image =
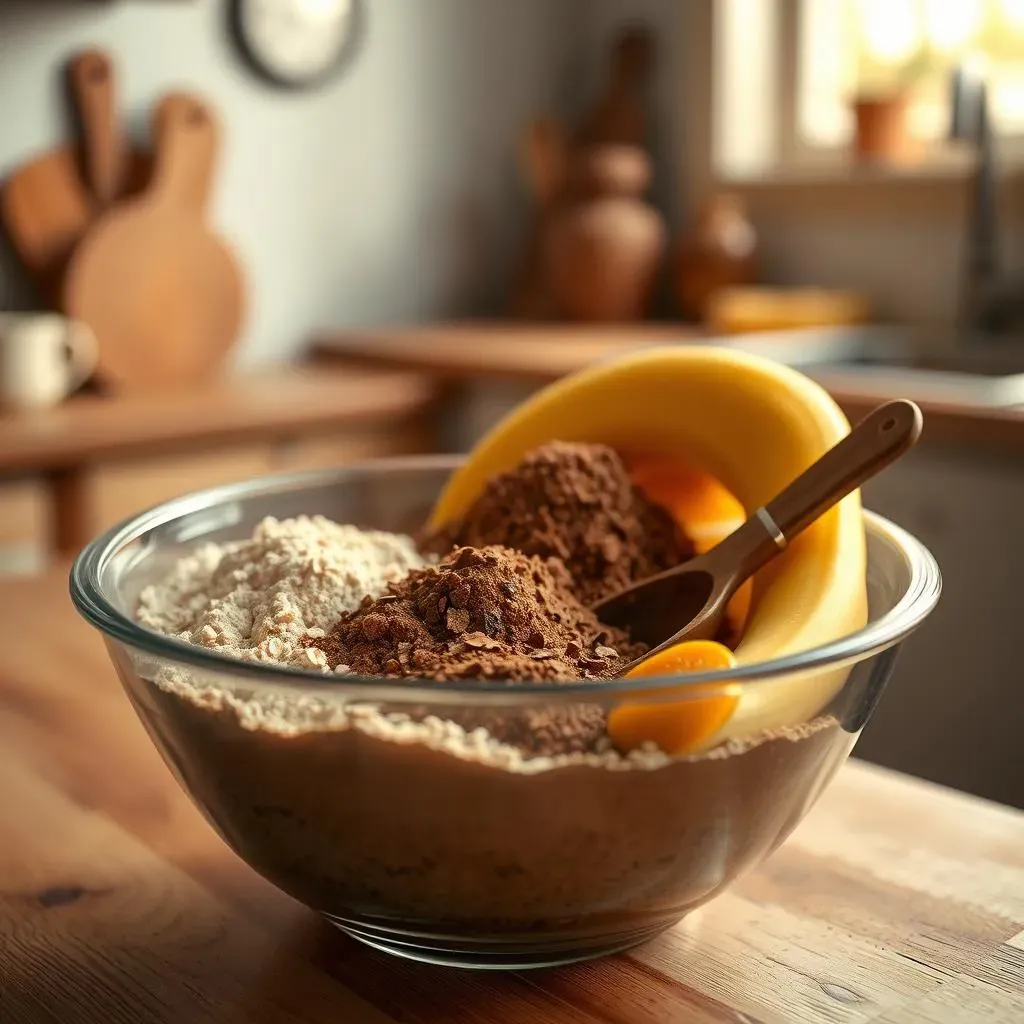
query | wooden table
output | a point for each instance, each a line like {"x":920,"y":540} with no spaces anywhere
{"x":894,"y":902}
{"x":160,"y":441}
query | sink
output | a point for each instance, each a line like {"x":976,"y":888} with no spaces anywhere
{"x":880,"y":361}
{"x":961,"y":378}
{"x":983,"y":362}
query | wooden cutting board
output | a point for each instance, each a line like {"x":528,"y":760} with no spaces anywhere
{"x":163,"y":294}
{"x":48,"y":204}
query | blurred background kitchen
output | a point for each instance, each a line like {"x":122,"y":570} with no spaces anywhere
{"x":245,"y":236}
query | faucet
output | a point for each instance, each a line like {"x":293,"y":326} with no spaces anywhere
{"x":990,"y":306}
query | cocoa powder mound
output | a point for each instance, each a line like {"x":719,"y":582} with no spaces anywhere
{"x":490,"y":614}
{"x":574,"y":502}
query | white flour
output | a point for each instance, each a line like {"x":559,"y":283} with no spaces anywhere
{"x":256,"y":599}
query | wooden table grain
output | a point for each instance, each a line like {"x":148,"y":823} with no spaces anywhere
{"x":895,"y":901}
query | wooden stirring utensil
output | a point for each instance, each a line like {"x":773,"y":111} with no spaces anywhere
{"x":689,"y":601}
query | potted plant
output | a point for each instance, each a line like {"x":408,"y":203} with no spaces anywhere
{"x":880,"y":108}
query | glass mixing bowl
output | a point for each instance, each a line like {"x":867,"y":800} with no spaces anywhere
{"x":360,"y":798}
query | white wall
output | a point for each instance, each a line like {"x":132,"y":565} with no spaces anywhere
{"x":389,"y":195}
{"x":900,"y":242}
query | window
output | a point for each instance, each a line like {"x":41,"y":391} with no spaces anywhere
{"x":789,"y":68}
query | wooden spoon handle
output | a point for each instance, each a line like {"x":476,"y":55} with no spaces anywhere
{"x":879,"y":439}
{"x":93,"y":86}
{"x":186,"y":136}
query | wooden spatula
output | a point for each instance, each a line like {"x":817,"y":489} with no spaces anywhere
{"x":48,"y":204}
{"x":163,"y":295}
{"x":689,"y":601}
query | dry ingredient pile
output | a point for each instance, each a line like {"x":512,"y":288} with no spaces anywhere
{"x":489,"y":613}
{"x":560,"y":530}
{"x":576,"y":503}
{"x":482,"y":613}
{"x":267,"y":597}
{"x":507,"y":603}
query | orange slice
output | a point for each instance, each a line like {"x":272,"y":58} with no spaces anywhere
{"x":704,"y":508}
{"x":701,"y":505}
{"x":685,"y":724}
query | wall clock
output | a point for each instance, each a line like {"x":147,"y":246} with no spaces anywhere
{"x":297,"y":44}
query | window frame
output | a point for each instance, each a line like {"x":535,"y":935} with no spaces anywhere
{"x":797,"y":160}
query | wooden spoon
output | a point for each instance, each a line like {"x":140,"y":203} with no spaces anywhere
{"x":696,"y":593}
{"x":163,"y":294}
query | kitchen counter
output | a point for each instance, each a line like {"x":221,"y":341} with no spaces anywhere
{"x":101,"y":458}
{"x":895,"y":902}
{"x":537,"y":355}
{"x":511,"y":351}
{"x":269,"y":402}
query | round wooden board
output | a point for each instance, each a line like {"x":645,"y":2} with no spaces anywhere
{"x":163,"y":294}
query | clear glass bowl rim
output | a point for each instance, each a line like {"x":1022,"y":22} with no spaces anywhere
{"x":878,"y":635}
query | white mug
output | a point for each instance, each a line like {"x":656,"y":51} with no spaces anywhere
{"x":43,"y":358}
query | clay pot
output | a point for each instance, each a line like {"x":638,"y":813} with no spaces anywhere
{"x":720,"y":251}
{"x":604,"y":244}
{"x":881,"y":132}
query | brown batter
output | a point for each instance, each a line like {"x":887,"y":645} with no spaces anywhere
{"x":386,"y":831}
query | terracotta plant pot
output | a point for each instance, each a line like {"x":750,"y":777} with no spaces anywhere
{"x":882,"y":134}
{"x":604,"y":245}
